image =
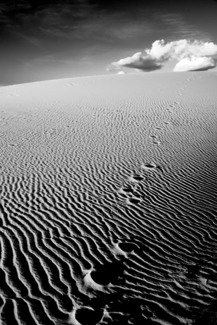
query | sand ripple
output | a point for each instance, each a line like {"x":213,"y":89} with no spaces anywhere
{"x":108,"y":200}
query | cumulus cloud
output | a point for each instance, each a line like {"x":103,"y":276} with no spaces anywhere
{"x":181,"y":49}
{"x":139,"y":61}
{"x":195,"y":64}
{"x":197,"y":53}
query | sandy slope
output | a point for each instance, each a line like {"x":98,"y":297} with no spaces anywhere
{"x":108,"y":199}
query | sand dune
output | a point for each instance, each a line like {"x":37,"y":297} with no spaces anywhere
{"x":108,"y":200}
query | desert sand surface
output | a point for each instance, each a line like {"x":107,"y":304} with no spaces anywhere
{"x":108,"y":200}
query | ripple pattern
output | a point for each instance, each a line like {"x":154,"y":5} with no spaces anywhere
{"x":108,"y":200}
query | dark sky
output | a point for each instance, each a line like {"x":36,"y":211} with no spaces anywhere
{"x":54,"y":39}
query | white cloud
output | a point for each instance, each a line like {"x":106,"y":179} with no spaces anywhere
{"x":195,"y":63}
{"x":181,"y":49}
{"x":196,"y":53}
{"x":139,"y":61}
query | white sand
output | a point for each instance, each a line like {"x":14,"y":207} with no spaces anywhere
{"x":87,"y":163}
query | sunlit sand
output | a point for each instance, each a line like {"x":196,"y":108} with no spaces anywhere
{"x":108,"y":199}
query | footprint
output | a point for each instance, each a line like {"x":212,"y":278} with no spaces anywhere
{"x":127,"y":247}
{"x":108,"y":273}
{"x":127,"y":189}
{"x":158,"y":128}
{"x":86,"y":316}
{"x":122,"y":194}
{"x":103,"y":275}
{"x":156,"y":142}
{"x":149,"y":166}
{"x":192,"y":270}
{"x":90,"y":283}
{"x":166,"y":122}
{"x":133,"y":200}
{"x":136,"y":178}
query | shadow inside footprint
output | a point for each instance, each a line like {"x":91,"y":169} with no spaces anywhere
{"x":127,"y":247}
{"x":149,"y":166}
{"x":88,"y":315}
{"x":107,"y":273}
{"x":137,"y":178}
{"x":193,"y":270}
{"x":133,"y":200}
{"x":127,"y":189}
